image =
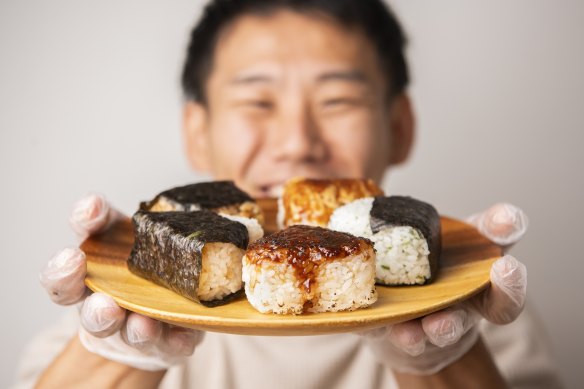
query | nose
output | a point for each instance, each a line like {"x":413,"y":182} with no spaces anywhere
{"x":298,"y":137}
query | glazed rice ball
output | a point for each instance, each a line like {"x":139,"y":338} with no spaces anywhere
{"x":309,"y":269}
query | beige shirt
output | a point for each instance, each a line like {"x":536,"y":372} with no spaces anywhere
{"x":521,"y":351}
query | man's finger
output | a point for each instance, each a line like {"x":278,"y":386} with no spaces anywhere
{"x":180,"y":341}
{"x":505,"y":298}
{"x":446,"y":327}
{"x":141,"y":332}
{"x":408,"y":336}
{"x":92,"y":214}
{"x":63,"y":276}
{"x":101,"y":316}
{"x":503,"y":223}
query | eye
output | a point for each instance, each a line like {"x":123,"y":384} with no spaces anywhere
{"x":264,"y":105}
{"x":339,"y":102}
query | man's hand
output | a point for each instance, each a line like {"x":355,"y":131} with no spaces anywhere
{"x":427,"y":345}
{"x":107,"y":329}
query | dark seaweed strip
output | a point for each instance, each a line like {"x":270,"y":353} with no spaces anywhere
{"x":227,"y":299}
{"x":168,"y":247}
{"x":200,"y":226}
{"x":206,"y":195}
{"x":407,"y":211}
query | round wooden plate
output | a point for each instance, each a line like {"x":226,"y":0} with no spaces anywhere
{"x":466,"y":262}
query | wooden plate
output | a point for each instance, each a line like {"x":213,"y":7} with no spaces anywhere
{"x":466,"y":263}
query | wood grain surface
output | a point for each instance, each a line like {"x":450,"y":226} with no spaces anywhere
{"x":466,"y":261}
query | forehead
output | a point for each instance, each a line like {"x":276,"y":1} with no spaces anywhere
{"x":286,"y":40}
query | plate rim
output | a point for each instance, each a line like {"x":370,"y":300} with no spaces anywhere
{"x":294,"y":325}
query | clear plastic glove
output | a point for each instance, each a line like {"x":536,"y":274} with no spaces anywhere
{"x":427,"y":345}
{"x":107,"y":329}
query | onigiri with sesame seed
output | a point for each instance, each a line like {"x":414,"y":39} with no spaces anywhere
{"x":405,"y":233}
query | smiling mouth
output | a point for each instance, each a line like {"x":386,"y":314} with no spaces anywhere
{"x":276,"y":188}
{"x":270,"y":191}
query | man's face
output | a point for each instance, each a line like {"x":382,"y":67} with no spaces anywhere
{"x":292,"y":95}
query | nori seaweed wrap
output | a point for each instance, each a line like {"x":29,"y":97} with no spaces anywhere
{"x":406,"y":233}
{"x":196,"y":254}
{"x":403,"y":211}
{"x":217,"y":196}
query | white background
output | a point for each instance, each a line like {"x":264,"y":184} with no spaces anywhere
{"x":89,"y":101}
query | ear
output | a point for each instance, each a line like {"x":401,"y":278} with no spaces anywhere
{"x":402,"y":125}
{"x":196,"y":137}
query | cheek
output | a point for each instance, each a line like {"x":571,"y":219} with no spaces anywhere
{"x":358,"y":145}
{"x":233,"y":142}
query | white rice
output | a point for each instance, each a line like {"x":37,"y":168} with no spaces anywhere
{"x":345,"y":284}
{"x":164,"y":204}
{"x":254,"y":229}
{"x":221,"y":271}
{"x":353,"y":218}
{"x":248,"y":209}
{"x":402,"y":256}
{"x":402,"y":251}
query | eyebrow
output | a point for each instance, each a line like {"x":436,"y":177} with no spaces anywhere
{"x":251,"y":79}
{"x":348,"y":75}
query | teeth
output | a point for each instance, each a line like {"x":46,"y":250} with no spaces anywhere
{"x":276,"y":190}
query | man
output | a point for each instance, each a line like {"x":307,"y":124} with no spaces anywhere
{"x":276,"y":89}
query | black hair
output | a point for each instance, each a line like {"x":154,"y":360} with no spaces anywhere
{"x":371,"y":16}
